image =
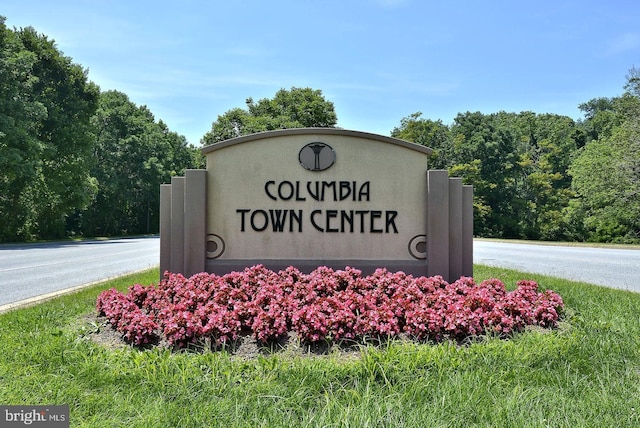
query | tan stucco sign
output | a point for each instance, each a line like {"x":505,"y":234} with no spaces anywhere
{"x":310,"y":197}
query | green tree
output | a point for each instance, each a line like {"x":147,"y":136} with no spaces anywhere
{"x":517,"y":163}
{"x":601,"y":116}
{"x":546,"y":144}
{"x":606,"y":172}
{"x":295,"y":108}
{"x":133,"y":155}
{"x":429,"y":133}
{"x":304,"y":106}
{"x":45,"y":136}
{"x":19,"y":146}
{"x":484,"y":154}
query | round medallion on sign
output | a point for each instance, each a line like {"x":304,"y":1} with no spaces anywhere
{"x":418,"y":247}
{"x":317,"y":156}
{"x":215,"y":246}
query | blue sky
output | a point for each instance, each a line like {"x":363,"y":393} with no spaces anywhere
{"x":376,"y":60}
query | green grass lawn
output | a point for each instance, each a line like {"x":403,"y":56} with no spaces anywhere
{"x":586,"y":373}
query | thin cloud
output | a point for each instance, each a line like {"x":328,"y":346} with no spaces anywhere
{"x":392,"y":3}
{"x":249,"y":51}
{"x":624,"y":43}
{"x":407,"y":84}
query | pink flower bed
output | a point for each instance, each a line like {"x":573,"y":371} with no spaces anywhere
{"x":324,"y":305}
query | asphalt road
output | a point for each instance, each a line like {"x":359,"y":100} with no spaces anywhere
{"x":31,"y":270}
{"x":615,"y":268}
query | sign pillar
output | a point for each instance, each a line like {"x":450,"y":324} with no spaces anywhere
{"x":177,"y":224}
{"x":455,"y":228}
{"x":195,"y":206}
{"x":165,"y":228}
{"x":467,"y":230}
{"x":438,"y":223}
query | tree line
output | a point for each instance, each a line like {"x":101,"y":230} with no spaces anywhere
{"x":75,"y":161}
{"x":535,"y":176}
{"x":546,"y":176}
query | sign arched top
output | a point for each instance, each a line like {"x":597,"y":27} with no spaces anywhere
{"x":315,"y":131}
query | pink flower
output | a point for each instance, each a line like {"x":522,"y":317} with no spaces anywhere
{"x":324,"y":305}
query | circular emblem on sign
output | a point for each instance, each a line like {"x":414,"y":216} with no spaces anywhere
{"x":418,"y":247}
{"x":317,"y":156}
{"x":215,"y":246}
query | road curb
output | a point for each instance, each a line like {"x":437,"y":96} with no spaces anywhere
{"x":32,"y":301}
